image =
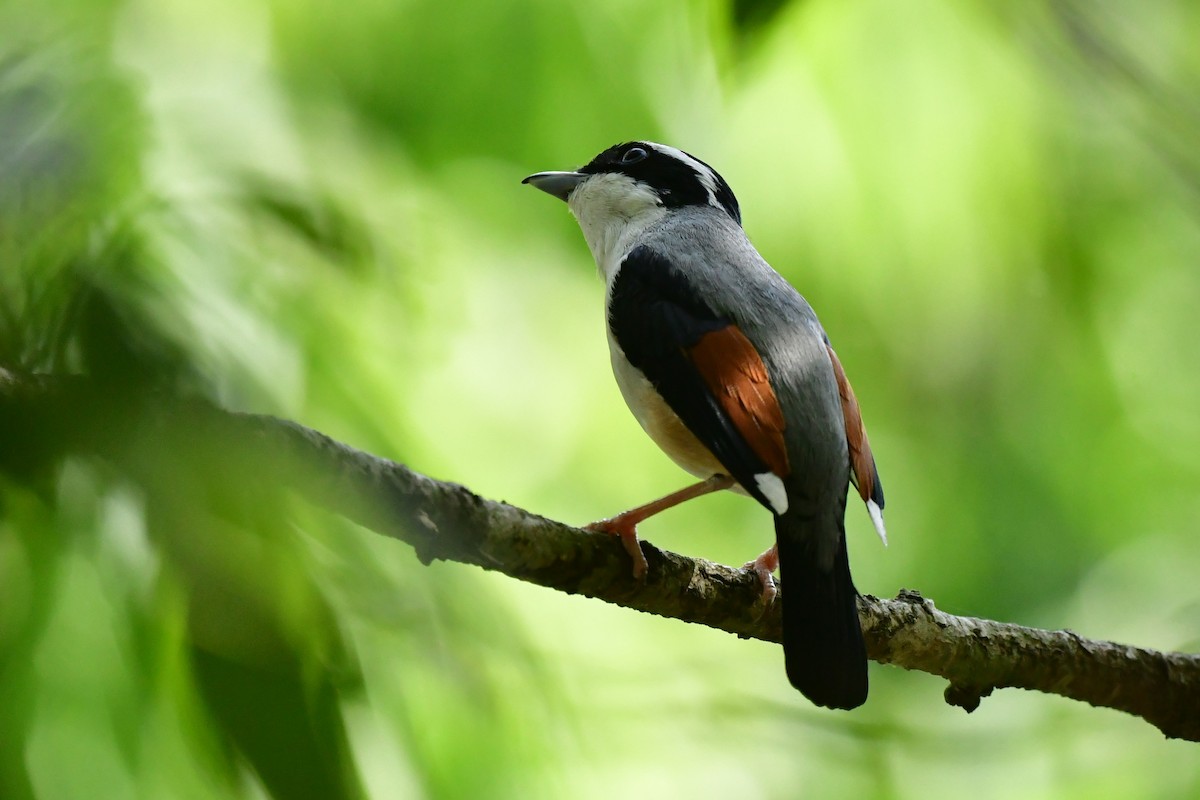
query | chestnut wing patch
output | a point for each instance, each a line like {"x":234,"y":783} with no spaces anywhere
{"x":862,"y":462}
{"x":702,"y":365}
{"x":734,"y":372}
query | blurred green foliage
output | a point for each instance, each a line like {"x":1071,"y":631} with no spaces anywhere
{"x":312,"y":209}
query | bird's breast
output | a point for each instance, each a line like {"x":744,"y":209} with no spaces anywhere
{"x":657,"y":419}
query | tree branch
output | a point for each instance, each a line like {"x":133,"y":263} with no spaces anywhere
{"x":44,"y":419}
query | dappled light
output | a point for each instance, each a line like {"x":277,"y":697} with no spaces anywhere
{"x":314,"y":211}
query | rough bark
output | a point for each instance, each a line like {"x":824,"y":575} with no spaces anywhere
{"x":45,"y":419}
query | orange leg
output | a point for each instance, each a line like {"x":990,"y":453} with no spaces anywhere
{"x":763,"y":566}
{"x":624,"y":525}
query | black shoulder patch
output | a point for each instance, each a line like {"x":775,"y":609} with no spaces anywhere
{"x":656,"y":316}
{"x":654,"y":304}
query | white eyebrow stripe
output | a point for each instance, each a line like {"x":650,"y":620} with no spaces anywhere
{"x":707,"y":178}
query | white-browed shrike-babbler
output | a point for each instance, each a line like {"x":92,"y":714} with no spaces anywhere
{"x":729,"y":371}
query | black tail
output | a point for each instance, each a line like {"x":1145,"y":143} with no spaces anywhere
{"x":822,"y":641}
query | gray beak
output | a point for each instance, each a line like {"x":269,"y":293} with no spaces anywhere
{"x":558,"y":184}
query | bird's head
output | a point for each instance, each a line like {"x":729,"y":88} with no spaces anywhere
{"x":632,"y":185}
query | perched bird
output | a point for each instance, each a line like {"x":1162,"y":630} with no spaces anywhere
{"x":727,"y":369}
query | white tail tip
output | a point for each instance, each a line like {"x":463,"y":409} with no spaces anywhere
{"x":877,"y":517}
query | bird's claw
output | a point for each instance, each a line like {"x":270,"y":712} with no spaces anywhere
{"x":763,"y":567}
{"x":627,"y":533}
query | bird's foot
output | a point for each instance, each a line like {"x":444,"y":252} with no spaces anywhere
{"x":763,"y":567}
{"x":625,"y":524}
{"x":625,"y":529}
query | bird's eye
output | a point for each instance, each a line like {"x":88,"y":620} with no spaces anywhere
{"x":633,"y":155}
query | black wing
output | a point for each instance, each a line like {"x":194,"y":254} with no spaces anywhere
{"x":701,"y":364}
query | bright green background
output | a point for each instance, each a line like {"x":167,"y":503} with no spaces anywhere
{"x":312,"y":209}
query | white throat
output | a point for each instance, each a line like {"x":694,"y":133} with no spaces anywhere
{"x":613,"y":211}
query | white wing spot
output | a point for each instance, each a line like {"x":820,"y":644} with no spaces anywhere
{"x":772,"y":488}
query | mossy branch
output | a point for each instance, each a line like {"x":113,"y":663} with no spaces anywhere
{"x":43,"y":419}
